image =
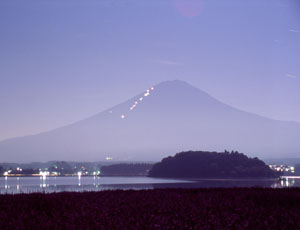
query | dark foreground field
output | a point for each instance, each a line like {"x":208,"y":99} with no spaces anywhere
{"x":235,"y":208}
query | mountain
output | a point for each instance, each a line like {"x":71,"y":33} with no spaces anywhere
{"x":170,"y":117}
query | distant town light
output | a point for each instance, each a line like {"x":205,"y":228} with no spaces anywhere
{"x":44,"y":174}
{"x":122,"y":116}
{"x":108,"y":158}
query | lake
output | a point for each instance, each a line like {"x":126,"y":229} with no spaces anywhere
{"x":13,"y":185}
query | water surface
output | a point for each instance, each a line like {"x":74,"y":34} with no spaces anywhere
{"x":59,"y":184}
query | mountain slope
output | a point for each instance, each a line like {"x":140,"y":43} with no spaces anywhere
{"x":170,"y":117}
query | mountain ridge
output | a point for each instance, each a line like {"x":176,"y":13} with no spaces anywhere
{"x":134,"y":97}
{"x":166,"y":118}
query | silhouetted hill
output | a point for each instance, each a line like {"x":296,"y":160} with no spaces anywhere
{"x":211,"y":165}
{"x":126,"y":169}
{"x":170,"y":117}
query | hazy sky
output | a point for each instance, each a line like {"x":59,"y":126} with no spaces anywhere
{"x":64,"y":60}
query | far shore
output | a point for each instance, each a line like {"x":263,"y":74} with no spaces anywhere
{"x":168,"y":178}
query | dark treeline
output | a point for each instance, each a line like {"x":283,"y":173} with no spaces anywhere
{"x":199,"y":164}
{"x":63,"y":168}
{"x":137,"y":169}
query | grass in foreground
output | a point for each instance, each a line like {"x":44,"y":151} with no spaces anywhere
{"x":236,"y":208}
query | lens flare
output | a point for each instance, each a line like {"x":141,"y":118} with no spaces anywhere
{"x":189,"y":8}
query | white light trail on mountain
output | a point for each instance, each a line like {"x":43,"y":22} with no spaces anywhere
{"x":147,"y":93}
{"x":132,"y":107}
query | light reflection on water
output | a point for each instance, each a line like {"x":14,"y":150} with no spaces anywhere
{"x":60,"y":184}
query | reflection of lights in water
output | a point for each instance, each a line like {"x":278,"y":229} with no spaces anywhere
{"x":18,"y":185}
{"x":6,"y":186}
{"x":122,"y":116}
{"x":79,"y":178}
{"x":275,"y":185}
{"x":292,"y":182}
{"x":288,"y":182}
{"x":43,"y":185}
{"x":44,"y":175}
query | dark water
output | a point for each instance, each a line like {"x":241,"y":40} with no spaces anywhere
{"x":60,"y":184}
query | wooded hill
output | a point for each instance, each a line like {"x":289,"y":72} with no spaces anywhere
{"x":200,"y":164}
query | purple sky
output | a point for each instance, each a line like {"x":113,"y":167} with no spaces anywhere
{"x":64,"y":60}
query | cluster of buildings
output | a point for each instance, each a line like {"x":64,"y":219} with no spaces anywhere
{"x":45,"y":172}
{"x":285,"y":169}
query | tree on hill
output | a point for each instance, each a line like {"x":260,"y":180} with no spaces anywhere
{"x":61,"y":167}
{"x":200,"y":164}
